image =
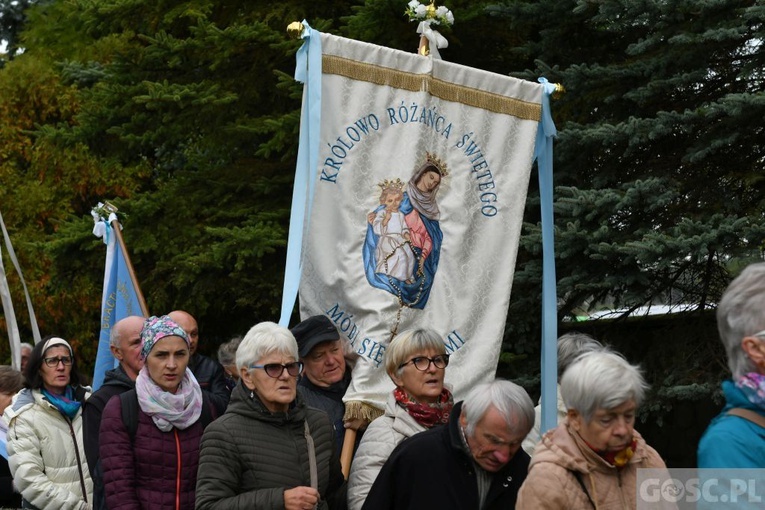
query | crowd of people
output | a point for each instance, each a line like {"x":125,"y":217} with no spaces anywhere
{"x":263,"y":426}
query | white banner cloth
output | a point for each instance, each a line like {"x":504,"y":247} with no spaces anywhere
{"x":422,"y":175}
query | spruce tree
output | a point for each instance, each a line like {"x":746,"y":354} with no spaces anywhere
{"x":659,"y":158}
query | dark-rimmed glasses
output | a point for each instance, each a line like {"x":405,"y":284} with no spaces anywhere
{"x":53,"y":362}
{"x":276,"y":370}
{"x":422,"y":363}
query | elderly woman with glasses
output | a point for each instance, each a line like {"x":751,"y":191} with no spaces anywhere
{"x":416,"y":362}
{"x":591,"y":460}
{"x":269,"y":450}
{"x":45,"y":448}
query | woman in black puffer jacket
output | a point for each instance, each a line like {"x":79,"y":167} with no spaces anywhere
{"x":269,"y":450}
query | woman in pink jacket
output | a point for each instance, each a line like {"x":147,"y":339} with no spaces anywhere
{"x":591,"y":459}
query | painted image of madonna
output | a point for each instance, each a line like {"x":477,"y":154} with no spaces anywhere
{"x":403,"y":241}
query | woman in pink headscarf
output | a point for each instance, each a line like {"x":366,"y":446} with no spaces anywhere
{"x":150,"y":435}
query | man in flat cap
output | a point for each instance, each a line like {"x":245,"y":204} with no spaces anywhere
{"x":325,"y":375}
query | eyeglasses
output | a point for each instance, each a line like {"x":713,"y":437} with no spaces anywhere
{"x":276,"y":370}
{"x":422,"y":363}
{"x":53,"y":362}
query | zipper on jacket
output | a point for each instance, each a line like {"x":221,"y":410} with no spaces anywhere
{"x":178,"y":471}
{"x":77,"y":454}
{"x":621,"y":491}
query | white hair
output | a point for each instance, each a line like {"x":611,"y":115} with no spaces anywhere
{"x":571,"y":346}
{"x":741,"y":313}
{"x":227,"y":351}
{"x":263,"y":339}
{"x":118,"y":329}
{"x":511,"y":400}
{"x":114,"y":337}
{"x":601,"y":380}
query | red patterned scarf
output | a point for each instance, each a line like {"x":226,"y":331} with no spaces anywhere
{"x":427,"y":415}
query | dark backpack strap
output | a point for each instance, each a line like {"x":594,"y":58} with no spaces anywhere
{"x":129,"y":402}
{"x":748,"y":414}
{"x":578,"y":477}
{"x":208,"y":412}
{"x":99,"y":491}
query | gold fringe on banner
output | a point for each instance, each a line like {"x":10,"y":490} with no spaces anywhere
{"x":332,"y":64}
{"x":356,"y":409}
{"x":371,"y":73}
{"x":486,"y":100}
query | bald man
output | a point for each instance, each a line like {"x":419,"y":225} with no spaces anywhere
{"x":208,"y":372}
{"x":125,"y":344}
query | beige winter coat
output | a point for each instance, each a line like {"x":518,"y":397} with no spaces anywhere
{"x":379,"y":440}
{"x":46,"y":454}
{"x":534,"y":435}
{"x":560,"y":458}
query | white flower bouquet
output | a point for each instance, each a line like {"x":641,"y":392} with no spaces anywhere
{"x":429,"y":14}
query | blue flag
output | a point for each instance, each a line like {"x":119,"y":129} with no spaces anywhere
{"x":121,"y":296}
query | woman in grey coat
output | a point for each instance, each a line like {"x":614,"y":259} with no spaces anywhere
{"x":269,"y":450}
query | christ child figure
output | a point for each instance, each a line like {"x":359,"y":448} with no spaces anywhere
{"x":394,"y":253}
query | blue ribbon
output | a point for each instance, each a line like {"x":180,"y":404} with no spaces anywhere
{"x":307,"y":71}
{"x":543,"y":153}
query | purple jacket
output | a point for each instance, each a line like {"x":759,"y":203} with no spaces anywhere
{"x":158,"y":471}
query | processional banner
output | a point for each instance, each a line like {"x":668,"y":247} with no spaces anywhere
{"x":420,"y":178}
{"x":14,"y":336}
{"x":121,"y":295}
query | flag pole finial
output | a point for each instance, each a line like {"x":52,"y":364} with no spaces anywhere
{"x":109,"y":207}
{"x":295,"y":29}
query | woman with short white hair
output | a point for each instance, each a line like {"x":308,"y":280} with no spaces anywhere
{"x":269,"y":450}
{"x":591,"y":459}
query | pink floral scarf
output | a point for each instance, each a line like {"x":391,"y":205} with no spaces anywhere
{"x":181,"y":409}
